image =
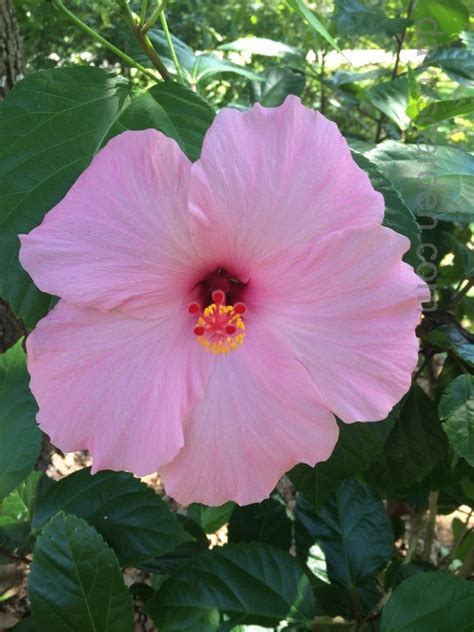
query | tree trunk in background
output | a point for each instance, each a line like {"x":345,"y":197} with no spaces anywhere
{"x":12,"y":66}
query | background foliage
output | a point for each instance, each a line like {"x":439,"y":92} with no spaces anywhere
{"x":379,"y":537}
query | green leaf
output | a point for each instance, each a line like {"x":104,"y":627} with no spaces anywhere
{"x":52,"y":123}
{"x":174,"y":110}
{"x":354,"y":533}
{"x":277,"y":84}
{"x":438,"y":21}
{"x":433,"y":180}
{"x":392,"y":98}
{"x":248,"y":583}
{"x":397,"y":214}
{"x":75,"y":581}
{"x":453,"y":338}
{"x":457,"y":407}
{"x":208,"y":65}
{"x":414,"y":446}
{"x":133,"y":519}
{"x":210,"y":519}
{"x":262,"y":522}
{"x":355,"y":18}
{"x":20,"y":438}
{"x":430,"y":602}
{"x":16,"y":512}
{"x":436,"y":111}
{"x":458,"y":63}
{"x":260,"y":46}
{"x":314,"y":21}
{"x":358,"y":445}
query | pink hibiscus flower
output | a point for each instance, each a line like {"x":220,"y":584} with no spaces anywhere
{"x":216,"y":316}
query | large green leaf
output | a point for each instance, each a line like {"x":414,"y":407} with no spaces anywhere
{"x":430,"y":602}
{"x":414,"y":446}
{"x":458,"y":63}
{"x":208,"y":65}
{"x":174,"y":110}
{"x":238,"y":583}
{"x":358,"y":445}
{"x":314,"y":21}
{"x":51,"y":124}
{"x":457,"y":407}
{"x":436,"y":111}
{"x":438,"y":21}
{"x":433,"y":180}
{"x":392,"y":98}
{"x":261,"y":522}
{"x":133,"y":519}
{"x":20,"y":438}
{"x":278,"y":83}
{"x":354,"y":533}
{"x":75,"y":581}
{"x":397,"y":214}
{"x":355,"y":18}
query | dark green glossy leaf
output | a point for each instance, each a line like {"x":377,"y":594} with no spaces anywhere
{"x":430,"y":602}
{"x":174,"y":110}
{"x":437,"y":111}
{"x":263,"y":522}
{"x":397,"y":214}
{"x":240,"y":583}
{"x":457,"y":408}
{"x":453,"y":338}
{"x":133,"y":519}
{"x":392,"y":98}
{"x":75,"y":581}
{"x":52,"y":123}
{"x":458,"y":63}
{"x":414,"y":446}
{"x":438,"y":21}
{"x":356,"y":18}
{"x":20,"y":438}
{"x":358,"y":445}
{"x":168,"y":562}
{"x":353,"y":531}
{"x":314,"y":22}
{"x":433,"y":181}
{"x":210,"y":519}
{"x":278,"y":83}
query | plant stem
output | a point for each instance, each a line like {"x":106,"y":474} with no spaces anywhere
{"x":430,"y":526}
{"x":169,"y":41}
{"x":144,"y":41}
{"x":155,"y":15}
{"x":143,"y":11}
{"x":82,"y":25}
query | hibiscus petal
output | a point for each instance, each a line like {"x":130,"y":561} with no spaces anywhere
{"x":116,"y":385}
{"x":270,"y":178}
{"x":259,"y":418}
{"x":118,"y":238}
{"x":349,"y":308}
